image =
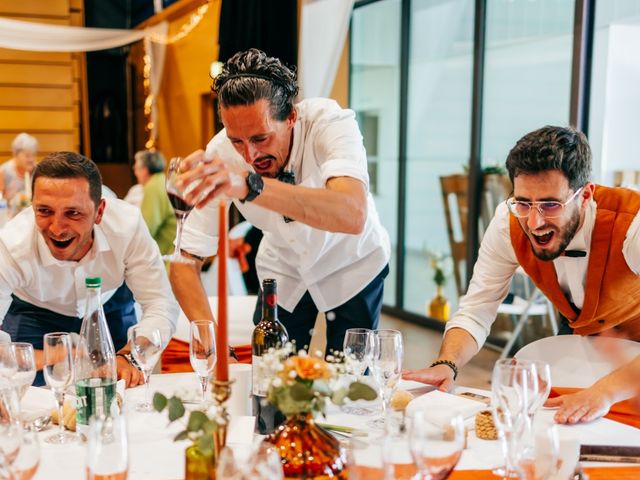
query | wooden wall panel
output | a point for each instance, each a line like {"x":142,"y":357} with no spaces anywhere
{"x":34,"y":74}
{"x":40,"y":8}
{"x":48,"y":142}
{"x":22,"y":56}
{"x":29,"y":97}
{"x":32,"y":120}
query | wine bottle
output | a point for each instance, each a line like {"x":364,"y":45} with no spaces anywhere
{"x":269,"y":333}
{"x":95,"y":361}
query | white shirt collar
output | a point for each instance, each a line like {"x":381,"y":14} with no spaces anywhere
{"x":582,"y":239}
{"x":100,"y":244}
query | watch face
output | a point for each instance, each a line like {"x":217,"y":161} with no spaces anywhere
{"x":255,"y":183}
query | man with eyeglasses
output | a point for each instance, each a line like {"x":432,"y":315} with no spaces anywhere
{"x":579,"y":242}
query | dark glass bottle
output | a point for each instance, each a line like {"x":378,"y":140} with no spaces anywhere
{"x":269,"y":333}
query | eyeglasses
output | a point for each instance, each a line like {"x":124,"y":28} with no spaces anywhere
{"x":549,"y":209}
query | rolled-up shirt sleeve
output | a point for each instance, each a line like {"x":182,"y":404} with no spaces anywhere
{"x":491,"y":279}
{"x":146,"y":276}
{"x":631,"y":245}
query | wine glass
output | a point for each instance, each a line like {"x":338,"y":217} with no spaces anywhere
{"x":26,"y":367}
{"x":397,"y":460}
{"x":512,"y":385}
{"x":28,"y":461}
{"x":10,"y":428}
{"x":539,"y":453}
{"x":58,"y":373}
{"x":386,"y":366}
{"x":107,"y":448}
{"x":180,"y":207}
{"x":146,"y":347}
{"x":436,"y":449}
{"x":357,"y":352}
{"x":8,"y":365}
{"x":260,"y":463}
{"x":202,"y":351}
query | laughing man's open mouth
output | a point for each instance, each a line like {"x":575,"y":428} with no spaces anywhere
{"x":61,"y":243}
{"x":542,"y":237}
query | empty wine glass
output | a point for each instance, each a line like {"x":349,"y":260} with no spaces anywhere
{"x":397,"y":460}
{"x":8,"y":365}
{"x":259,"y":463}
{"x":26,"y":367}
{"x":10,"y":428}
{"x":107,"y":448}
{"x":146,"y":348}
{"x":538,"y":453}
{"x":386,"y":366}
{"x":28,"y":461}
{"x":202,"y":351}
{"x":58,"y":373}
{"x":180,"y":207}
{"x":357,"y":352}
{"x":436,"y":449}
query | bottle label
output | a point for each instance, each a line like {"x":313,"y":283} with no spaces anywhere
{"x":259,"y":377}
{"x":94,"y":397}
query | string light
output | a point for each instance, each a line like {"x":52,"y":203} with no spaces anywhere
{"x":185,"y":29}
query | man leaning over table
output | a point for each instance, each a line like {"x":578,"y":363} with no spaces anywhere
{"x":70,"y":233}
{"x":580,"y":244}
{"x":299,"y":173}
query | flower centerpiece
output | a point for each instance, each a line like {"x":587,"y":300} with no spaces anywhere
{"x":439,"y":306}
{"x":301,"y":386}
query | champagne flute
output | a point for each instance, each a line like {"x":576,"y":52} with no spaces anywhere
{"x":436,"y":449}
{"x":357,"y":352}
{"x":26,"y":366}
{"x":202,"y":351}
{"x":180,"y":207}
{"x":386,"y":365}
{"x":10,"y":429}
{"x":8,"y":364}
{"x":146,"y":347}
{"x":58,"y":373}
{"x":107,"y":448}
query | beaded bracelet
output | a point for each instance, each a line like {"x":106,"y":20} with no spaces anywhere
{"x":449,"y":364}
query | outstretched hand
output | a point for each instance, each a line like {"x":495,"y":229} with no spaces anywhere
{"x":440,"y":376}
{"x":583,"y":406}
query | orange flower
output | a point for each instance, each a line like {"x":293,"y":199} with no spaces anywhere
{"x":307,"y":368}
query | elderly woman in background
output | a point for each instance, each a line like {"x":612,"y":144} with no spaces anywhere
{"x":15,"y":174}
{"x":155,"y":206}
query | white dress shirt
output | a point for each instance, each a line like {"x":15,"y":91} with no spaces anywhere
{"x":333,"y":267}
{"x":497,"y":262}
{"x":122,"y":250}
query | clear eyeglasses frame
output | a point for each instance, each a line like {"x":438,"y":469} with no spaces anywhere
{"x":548,"y":209}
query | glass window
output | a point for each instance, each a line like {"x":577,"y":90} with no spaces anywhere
{"x":438,"y":137}
{"x":374,"y":93}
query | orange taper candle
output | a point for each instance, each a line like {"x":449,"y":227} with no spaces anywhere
{"x":222,"y":338}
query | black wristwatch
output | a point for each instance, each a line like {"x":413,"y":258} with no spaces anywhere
{"x":255,"y":184}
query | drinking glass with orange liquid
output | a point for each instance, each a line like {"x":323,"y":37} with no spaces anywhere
{"x":108,"y":449}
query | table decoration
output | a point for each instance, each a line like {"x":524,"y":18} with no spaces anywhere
{"x":300,"y":386}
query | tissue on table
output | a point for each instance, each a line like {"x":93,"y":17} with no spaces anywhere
{"x":435,"y":406}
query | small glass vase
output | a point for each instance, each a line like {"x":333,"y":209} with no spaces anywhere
{"x":198,"y":466}
{"x":439,"y":307}
{"x":307,"y":450}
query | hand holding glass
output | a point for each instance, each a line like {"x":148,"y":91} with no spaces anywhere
{"x":146,"y":347}
{"x":180,"y":207}
{"x":202,"y":351}
{"x":58,"y":373}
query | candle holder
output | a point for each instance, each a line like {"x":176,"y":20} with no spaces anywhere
{"x":221,"y":392}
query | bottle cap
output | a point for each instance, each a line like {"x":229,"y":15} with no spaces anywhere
{"x":93,"y":282}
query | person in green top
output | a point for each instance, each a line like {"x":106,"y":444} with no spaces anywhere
{"x":156,"y":208}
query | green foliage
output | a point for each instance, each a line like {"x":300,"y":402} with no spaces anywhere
{"x":199,"y":427}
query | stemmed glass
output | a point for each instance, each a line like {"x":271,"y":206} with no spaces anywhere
{"x":58,"y":373}
{"x":28,"y":461}
{"x":146,"y":347}
{"x":107,"y":448}
{"x":386,"y":366}
{"x":10,"y":429}
{"x":8,"y":365}
{"x":202,"y":351}
{"x":357,"y":350}
{"x":513,"y":386}
{"x":538,"y":453}
{"x":261,"y":463}
{"x":436,"y":449}
{"x":180,"y":207}
{"x":26,"y":367}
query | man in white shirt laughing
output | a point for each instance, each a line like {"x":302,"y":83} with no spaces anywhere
{"x":299,"y":173}
{"x":71,"y":233}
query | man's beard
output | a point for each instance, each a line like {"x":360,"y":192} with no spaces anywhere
{"x":568,"y":234}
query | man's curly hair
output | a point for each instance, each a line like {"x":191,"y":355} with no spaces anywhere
{"x":250,"y":76}
{"x":552,"y":148}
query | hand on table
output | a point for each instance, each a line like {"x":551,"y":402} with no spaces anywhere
{"x":583,"y":406}
{"x":440,"y":376}
{"x":131,"y":375}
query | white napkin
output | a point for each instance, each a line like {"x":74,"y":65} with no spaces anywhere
{"x":436,"y":405}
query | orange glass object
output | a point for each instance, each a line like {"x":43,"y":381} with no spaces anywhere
{"x":439,"y":307}
{"x":198,"y":466}
{"x":308,"y":451}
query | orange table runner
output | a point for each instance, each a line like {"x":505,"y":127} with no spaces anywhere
{"x":626,"y":412}
{"x":596,"y":473}
{"x":175,"y":357}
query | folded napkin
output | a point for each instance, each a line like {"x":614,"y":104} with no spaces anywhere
{"x":436,"y":404}
{"x":626,"y":412}
{"x":175,"y":358}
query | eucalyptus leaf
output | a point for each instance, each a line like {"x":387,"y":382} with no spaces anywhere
{"x":183,"y":435}
{"x":176,"y":409}
{"x":196,"y":420}
{"x":205,"y":444}
{"x":159,"y":401}
{"x":300,"y":392}
{"x":361,"y":391}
